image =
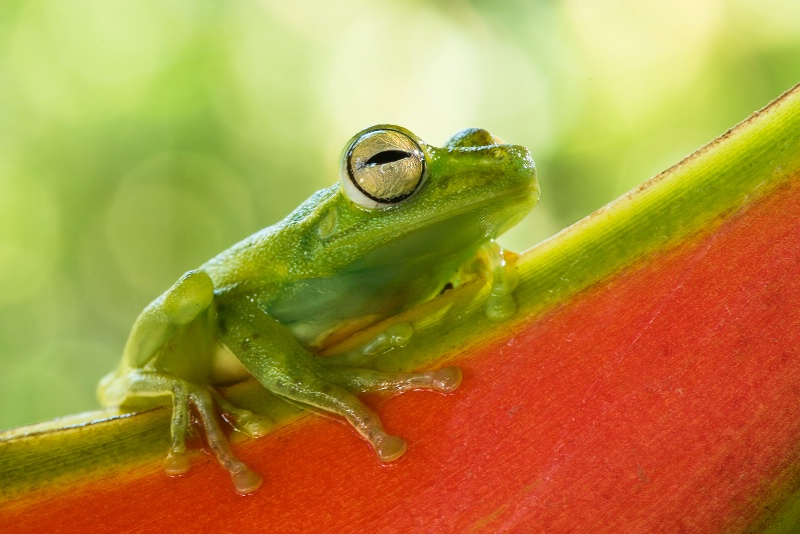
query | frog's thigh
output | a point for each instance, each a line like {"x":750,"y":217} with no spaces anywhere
{"x":444,"y":380}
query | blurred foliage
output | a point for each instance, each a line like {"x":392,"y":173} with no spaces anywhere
{"x":139,"y":138}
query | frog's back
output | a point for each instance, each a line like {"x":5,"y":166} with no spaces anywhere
{"x":272,"y":256}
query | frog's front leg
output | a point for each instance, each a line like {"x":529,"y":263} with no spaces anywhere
{"x":184,"y":394}
{"x":167,"y":356}
{"x":273,"y":356}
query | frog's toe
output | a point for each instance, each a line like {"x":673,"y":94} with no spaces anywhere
{"x":245,"y":480}
{"x":447,"y":379}
{"x":177,"y":463}
{"x":389,"y":447}
{"x":253,"y":425}
{"x":245,"y":421}
{"x":500,"y":307}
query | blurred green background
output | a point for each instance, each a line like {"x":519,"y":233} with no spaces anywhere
{"x":139,"y":138}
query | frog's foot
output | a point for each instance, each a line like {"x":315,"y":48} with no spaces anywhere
{"x":443,"y":380}
{"x":396,"y":335}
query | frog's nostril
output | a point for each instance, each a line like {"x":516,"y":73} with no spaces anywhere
{"x":471,"y":137}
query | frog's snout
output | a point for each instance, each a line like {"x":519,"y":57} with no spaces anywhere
{"x":472,"y":137}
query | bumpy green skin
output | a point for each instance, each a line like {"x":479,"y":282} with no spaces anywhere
{"x":264,"y":307}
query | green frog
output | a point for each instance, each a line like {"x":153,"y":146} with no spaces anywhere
{"x":405,"y":222}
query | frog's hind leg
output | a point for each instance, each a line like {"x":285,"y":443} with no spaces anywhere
{"x":444,"y":380}
{"x":327,"y":396}
{"x":333,"y":394}
{"x":272,"y":355}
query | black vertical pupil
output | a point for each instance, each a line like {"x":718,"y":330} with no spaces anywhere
{"x":387,"y":156}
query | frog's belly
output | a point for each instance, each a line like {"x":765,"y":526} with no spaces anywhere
{"x":320,"y":311}
{"x":226,"y":367}
{"x":382,"y":283}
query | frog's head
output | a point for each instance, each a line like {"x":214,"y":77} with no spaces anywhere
{"x":403,"y":199}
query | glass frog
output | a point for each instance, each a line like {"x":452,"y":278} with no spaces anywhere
{"x":406,"y":221}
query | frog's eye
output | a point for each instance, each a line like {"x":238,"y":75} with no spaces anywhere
{"x":381,"y":168}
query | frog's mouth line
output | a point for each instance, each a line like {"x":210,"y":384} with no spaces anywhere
{"x":454,"y":233}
